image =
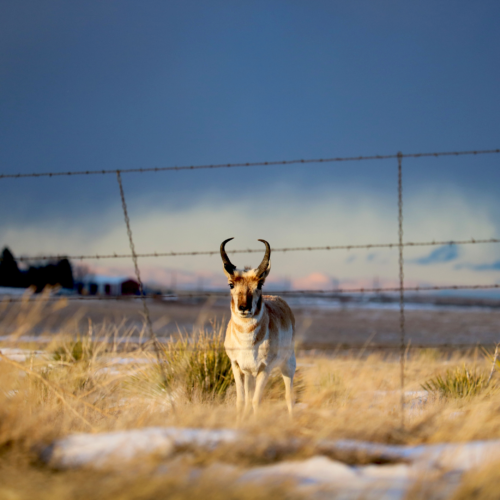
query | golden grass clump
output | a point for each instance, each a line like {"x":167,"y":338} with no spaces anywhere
{"x":81,"y":349}
{"x":460,"y":382}
{"x":200,"y":365}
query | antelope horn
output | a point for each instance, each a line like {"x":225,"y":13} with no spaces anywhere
{"x":265,"y":261}
{"x":225,"y":259}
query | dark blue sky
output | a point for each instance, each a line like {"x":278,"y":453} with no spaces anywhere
{"x":124,"y":84}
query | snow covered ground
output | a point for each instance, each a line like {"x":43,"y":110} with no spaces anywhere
{"x":115,"y":448}
{"x":319,"y":476}
{"x":368,"y":301}
{"x":21,"y":355}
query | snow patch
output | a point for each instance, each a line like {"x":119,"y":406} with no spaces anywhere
{"x":321,"y":475}
{"x":114,"y":448}
{"x":447,"y":456}
{"x":20,"y":355}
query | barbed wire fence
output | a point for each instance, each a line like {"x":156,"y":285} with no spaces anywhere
{"x":40,"y":258}
{"x":402,"y":328}
{"x":250,"y":164}
{"x":400,"y":245}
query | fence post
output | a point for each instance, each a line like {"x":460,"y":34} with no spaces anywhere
{"x":149,"y":323}
{"x":401,"y":289}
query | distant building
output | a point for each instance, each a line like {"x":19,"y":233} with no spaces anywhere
{"x":108,"y":285}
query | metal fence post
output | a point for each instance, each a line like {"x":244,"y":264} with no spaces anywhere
{"x":147,"y":315}
{"x":401,"y":289}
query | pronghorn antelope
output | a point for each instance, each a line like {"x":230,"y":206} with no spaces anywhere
{"x":260,"y":334}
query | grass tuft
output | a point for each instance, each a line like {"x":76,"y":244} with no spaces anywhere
{"x":458,"y":383}
{"x":81,"y":349}
{"x":200,"y":365}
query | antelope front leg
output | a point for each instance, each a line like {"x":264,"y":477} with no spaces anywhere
{"x":238,"y":378}
{"x":249,"y":388}
{"x":259,"y":388}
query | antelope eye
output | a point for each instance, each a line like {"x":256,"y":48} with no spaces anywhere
{"x":231,"y":286}
{"x":259,"y":285}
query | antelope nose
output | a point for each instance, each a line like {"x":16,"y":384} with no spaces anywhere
{"x":243,"y":307}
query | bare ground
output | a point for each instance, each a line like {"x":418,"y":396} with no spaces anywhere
{"x":327,"y":329}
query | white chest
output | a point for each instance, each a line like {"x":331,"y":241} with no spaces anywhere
{"x":249,"y":350}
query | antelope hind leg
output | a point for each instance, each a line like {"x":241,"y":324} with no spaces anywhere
{"x":288,"y":372}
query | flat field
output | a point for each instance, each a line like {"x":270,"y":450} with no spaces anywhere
{"x":317,"y":328}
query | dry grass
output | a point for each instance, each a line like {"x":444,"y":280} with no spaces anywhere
{"x":480,"y":485}
{"x":103,"y":381}
{"x":19,"y":482}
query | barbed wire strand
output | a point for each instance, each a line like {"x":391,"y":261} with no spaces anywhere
{"x":367,"y":348}
{"x":306,"y":347}
{"x":472,"y":241}
{"x":248,"y":164}
{"x":342,"y":291}
{"x":147,"y":315}
{"x":332,"y":293}
{"x":343,"y":347}
{"x":401,"y":289}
